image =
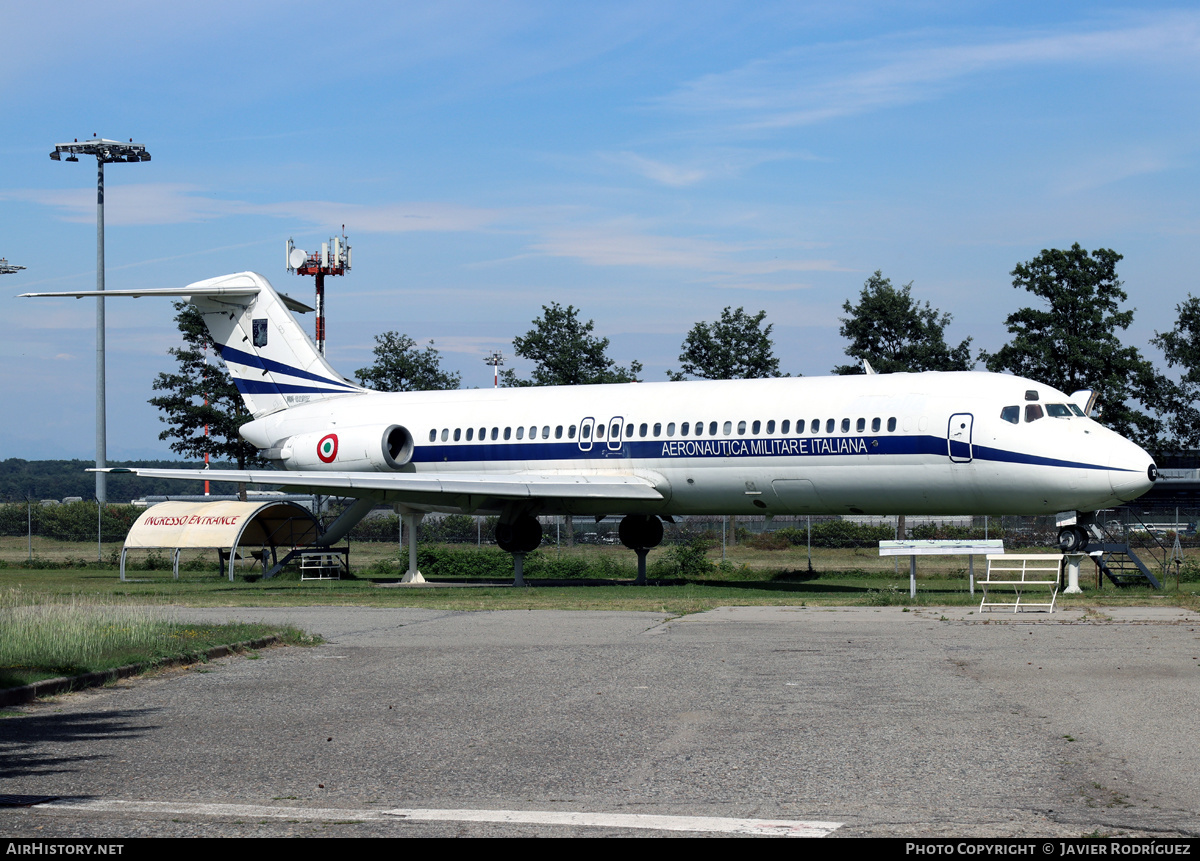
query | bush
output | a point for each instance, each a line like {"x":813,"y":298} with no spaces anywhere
{"x":684,"y":560}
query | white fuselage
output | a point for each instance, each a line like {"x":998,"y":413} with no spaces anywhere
{"x":880,"y":444}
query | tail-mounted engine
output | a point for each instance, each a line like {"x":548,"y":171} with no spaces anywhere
{"x":347,"y":449}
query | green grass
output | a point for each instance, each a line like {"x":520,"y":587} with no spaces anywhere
{"x":748,"y":576}
{"x":45,"y":636}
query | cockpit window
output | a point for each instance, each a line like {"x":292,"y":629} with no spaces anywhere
{"x":1033,"y":412}
{"x":1077,"y":411}
{"x":1011,"y":414}
{"x":1058,"y":411}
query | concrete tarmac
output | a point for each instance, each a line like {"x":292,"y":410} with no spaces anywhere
{"x":874,"y":721}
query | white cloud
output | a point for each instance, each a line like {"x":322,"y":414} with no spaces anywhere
{"x":175,"y":203}
{"x":811,"y":85}
{"x":719,"y":163}
{"x":617,"y":246}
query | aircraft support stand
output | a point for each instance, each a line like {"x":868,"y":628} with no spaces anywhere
{"x":641,"y":575}
{"x":411,"y":520}
{"x":518,"y":569}
{"x":1073,"y":560}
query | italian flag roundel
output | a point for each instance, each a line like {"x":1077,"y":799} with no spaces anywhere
{"x":327,"y":448}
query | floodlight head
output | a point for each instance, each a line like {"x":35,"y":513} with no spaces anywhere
{"x":54,"y":155}
{"x":72,"y":158}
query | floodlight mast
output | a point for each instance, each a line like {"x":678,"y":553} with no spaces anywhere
{"x":7,"y":268}
{"x":496,"y":359}
{"x":106,"y":152}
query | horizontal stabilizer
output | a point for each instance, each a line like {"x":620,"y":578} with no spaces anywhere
{"x":185,"y":293}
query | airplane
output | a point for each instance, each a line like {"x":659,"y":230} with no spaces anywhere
{"x":949,"y":443}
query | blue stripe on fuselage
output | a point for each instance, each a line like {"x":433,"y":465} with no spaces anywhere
{"x":723,"y":447}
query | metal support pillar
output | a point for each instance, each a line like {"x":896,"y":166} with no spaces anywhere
{"x":1073,"y":560}
{"x":641,"y":575}
{"x":412,"y":519}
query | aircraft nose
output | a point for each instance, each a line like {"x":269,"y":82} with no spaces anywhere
{"x":1131,"y":472}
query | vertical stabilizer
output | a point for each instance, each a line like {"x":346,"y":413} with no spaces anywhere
{"x":271,"y":359}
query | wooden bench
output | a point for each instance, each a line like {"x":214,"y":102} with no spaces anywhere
{"x":1021,"y":572}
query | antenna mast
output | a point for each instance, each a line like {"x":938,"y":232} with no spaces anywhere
{"x":332,"y":259}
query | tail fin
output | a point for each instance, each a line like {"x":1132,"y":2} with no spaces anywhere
{"x":272,"y":361}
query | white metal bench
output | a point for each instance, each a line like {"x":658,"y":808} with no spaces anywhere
{"x":1022,"y":572}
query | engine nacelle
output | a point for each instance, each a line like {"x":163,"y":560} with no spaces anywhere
{"x":347,"y":449}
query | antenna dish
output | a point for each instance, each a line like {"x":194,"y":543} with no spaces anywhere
{"x":297,"y":258}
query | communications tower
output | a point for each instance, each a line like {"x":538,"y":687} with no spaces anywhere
{"x":332,"y":259}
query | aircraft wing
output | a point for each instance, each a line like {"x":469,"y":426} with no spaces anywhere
{"x":428,"y":487}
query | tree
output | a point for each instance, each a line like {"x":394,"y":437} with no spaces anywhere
{"x":401,"y":367}
{"x":1072,"y":343}
{"x":896,"y":333}
{"x":1181,"y":348}
{"x":201,"y":393}
{"x":566,"y":353}
{"x":736,"y":347}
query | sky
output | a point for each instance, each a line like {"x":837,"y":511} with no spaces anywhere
{"x":648,"y":163}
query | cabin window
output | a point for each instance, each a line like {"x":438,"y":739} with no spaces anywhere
{"x":520,"y":433}
{"x":482,"y":434}
{"x":712,"y":428}
{"x":495,"y":433}
{"x":861,"y":426}
{"x":727,"y":429}
{"x":783,"y":428}
{"x":1011,"y":414}
{"x":508,"y":433}
{"x":845,"y":425}
{"x":754,"y":428}
{"x":670,"y":428}
{"x":599,"y":431}
{"x":546,"y":432}
{"x":699,"y":428}
{"x":683,"y":429}
{"x":571,"y":432}
{"x":615,"y":430}
{"x":629,"y":430}
{"x":771,"y":426}
{"x":433,"y":435}
{"x":445,"y":434}
{"x":891,"y":424}
{"x":875,"y":424}
{"x":815,"y":427}
{"x":643,"y":429}
{"x":829,"y":425}
{"x":1058,"y":411}
{"x":1033,"y":412}
{"x":586,"y":431}
{"x":470,"y":434}
{"x":558,"y":432}
{"x":658,"y":429}
{"x":457,"y":434}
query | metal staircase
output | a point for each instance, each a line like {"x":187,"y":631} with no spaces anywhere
{"x":1127,"y":546}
